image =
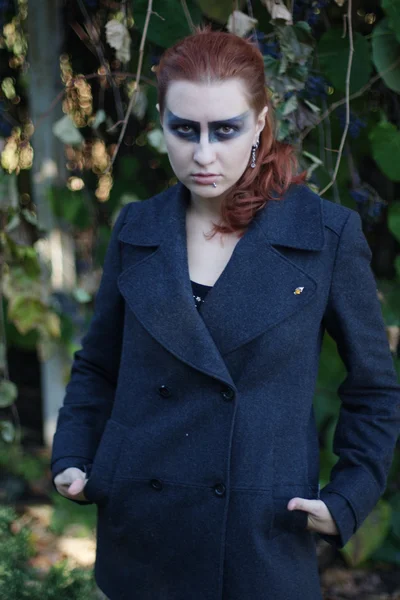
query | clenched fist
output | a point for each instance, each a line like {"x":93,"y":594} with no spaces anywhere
{"x":70,"y":483}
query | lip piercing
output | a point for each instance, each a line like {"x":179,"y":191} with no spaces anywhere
{"x":214,"y":184}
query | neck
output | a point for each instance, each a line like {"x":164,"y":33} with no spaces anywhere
{"x":205,"y":208}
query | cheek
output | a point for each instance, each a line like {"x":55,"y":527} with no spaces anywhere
{"x":236,"y":152}
{"x":177,"y":150}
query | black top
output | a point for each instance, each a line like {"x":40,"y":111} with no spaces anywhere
{"x":199,"y":292}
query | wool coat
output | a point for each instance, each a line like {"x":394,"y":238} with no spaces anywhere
{"x":200,"y":427}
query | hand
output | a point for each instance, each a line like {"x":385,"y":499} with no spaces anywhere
{"x":70,"y":483}
{"x":319,"y":517}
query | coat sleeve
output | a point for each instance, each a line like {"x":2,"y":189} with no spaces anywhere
{"x":90,"y":392}
{"x":369,"y":418}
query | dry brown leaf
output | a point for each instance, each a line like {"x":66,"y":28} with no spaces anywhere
{"x":278,"y":10}
{"x":393,"y":333}
{"x":239,"y":23}
{"x":118,"y":37}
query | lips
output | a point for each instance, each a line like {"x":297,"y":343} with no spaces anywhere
{"x":202,"y":179}
{"x":205,"y":175}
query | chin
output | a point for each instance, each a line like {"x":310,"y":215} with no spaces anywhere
{"x":207,"y":191}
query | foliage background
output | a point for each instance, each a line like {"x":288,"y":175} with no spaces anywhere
{"x":333,"y":73}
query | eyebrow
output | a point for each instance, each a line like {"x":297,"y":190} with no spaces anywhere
{"x":231,"y":120}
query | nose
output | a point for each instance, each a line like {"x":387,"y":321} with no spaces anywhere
{"x":204,"y":153}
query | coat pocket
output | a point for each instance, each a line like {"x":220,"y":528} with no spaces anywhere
{"x":290,"y":521}
{"x":105,"y":464}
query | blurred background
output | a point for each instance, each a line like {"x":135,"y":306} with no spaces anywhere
{"x":80,"y":138}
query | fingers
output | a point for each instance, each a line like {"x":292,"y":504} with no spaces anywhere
{"x":310,"y":506}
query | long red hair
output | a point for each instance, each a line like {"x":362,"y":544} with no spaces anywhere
{"x":209,"y":56}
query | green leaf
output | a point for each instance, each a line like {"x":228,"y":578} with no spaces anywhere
{"x":395,"y":504}
{"x":99,"y":118}
{"x":392,"y":9}
{"x":385,"y":145}
{"x":388,"y":552}
{"x":168,"y":23}
{"x":218,"y":11}
{"x":369,"y":536}
{"x":2,"y":354}
{"x":8,"y":393}
{"x":81,"y":296}
{"x":304,"y":29}
{"x":394,"y":220}
{"x":314,"y":107}
{"x":385,"y":53}
{"x":30,"y":216}
{"x":290,"y":105}
{"x":69,"y":205}
{"x":397,"y":260}
{"x":390,"y":303}
{"x":7,"y":431}
{"x":26,"y":313}
{"x":66,"y":130}
{"x":292,"y":48}
{"x":327,"y":462}
{"x":333,"y":53}
{"x":271,"y":66}
{"x":13,"y":223}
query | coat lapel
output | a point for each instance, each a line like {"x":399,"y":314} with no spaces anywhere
{"x":255,"y":291}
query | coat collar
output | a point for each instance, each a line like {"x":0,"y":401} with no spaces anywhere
{"x":296,"y":221}
{"x":253,"y":294}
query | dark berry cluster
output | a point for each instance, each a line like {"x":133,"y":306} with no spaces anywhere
{"x":5,"y":6}
{"x":5,"y":126}
{"x":267,"y":48}
{"x":355,"y":125}
{"x":308,"y":10}
{"x":316,"y":86}
{"x":369,"y":204}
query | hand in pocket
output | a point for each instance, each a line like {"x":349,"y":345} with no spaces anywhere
{"x":70,"y":483}
{"x":319,"y":518}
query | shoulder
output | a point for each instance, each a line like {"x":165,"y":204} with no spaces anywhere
{"x":151,"y":205}
{"x":334,"y":215}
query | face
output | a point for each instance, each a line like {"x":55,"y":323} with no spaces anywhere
{"x":209,"y":129}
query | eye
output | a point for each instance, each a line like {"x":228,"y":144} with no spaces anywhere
{"x":183,"y":128}
{"x":224,"y":129}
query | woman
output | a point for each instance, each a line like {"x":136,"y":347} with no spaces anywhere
{"x":190,"y":404}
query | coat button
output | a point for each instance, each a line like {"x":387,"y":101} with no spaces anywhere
{"x":219,"y":489}
{"x":164,"y":391}
{"x":228,"y":394}
{"x":156,"y":484}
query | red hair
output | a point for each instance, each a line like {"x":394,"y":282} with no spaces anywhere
{"x":209,"y":56}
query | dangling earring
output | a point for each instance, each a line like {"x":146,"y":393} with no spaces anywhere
{"x":253,"y":154}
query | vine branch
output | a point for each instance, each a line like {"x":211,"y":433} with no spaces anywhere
{"x":349,"y":23}
{"x":136,"y":85}
{"x":100,"y":54}
{"x":188,"y":15}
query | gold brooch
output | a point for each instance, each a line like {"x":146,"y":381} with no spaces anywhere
{"x":298,"y":290}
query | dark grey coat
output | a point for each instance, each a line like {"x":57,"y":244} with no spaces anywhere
{"x":201,"y":428}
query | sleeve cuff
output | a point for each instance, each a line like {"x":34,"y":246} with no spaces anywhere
{"x":343,"y":515}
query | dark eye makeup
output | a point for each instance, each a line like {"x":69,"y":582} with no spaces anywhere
{"x":190,"y":130}
{"x":176,"y":127}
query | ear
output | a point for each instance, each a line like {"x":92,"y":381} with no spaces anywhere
{"x":261,"y":121}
